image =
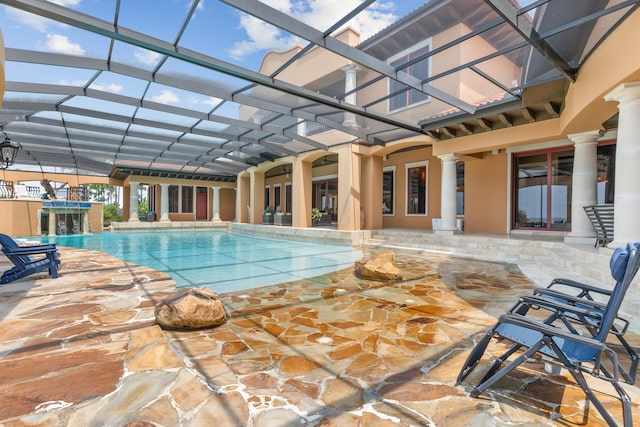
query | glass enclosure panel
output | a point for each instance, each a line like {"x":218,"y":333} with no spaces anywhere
{"x":606,"y":173}
{"x":561,"y":178}
{"x":531,"y":191}
{"x":388,"y":180}
{"x":417,"y":190}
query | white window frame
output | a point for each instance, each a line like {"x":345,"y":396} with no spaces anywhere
{"x":395,"y":57}
{"x":393,"y":184}
{"x":408,"y":166}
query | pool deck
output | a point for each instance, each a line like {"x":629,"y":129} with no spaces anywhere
{"x":84,"y":350}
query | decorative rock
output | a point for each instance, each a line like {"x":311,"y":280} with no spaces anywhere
{"x":382,"y":268}
{"x":191,"y":308}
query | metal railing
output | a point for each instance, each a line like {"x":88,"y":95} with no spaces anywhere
{"x":9,"y":190}
{"x":6,"y":190}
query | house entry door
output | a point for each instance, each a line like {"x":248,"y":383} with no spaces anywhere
{"x":201,"y":203}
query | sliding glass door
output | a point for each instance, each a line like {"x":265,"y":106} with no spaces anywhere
{"x":543,"y":186}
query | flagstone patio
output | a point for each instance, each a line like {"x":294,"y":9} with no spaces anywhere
{"x":84,"y":350}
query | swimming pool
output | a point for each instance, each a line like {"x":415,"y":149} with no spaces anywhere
{"x":220,"y":260}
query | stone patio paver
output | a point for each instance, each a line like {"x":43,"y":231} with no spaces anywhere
{"x":83,"y":350}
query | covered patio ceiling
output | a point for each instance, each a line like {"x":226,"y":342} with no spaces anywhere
{"x":155,"y":95}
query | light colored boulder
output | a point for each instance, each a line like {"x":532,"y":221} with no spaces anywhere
{"x":191,"y":308}
{"x":381,"y":267}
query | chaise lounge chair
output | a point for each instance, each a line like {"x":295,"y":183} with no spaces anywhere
{"x":24,"y":265}
{"x":560,"y":345}
{"x":590,"y":303}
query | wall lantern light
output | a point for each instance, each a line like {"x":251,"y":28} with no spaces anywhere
{"x":8,"y":151}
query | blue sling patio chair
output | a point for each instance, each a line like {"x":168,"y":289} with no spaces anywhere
{"x":26,"y":261}
{"x":591,"y":299}
{"x":543,"y":336}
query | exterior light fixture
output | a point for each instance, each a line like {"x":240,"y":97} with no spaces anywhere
{"x":8,"y":151}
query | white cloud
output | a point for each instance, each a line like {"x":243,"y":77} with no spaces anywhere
{"x":36,"y":22}
{"x":199,"y":7}
{"x":109,"y":87}
{"x":210,"y":101}
{"x":316,"y":13}
{"x":262,"y":36}
{"x":147,"y":57}
{"x":165,"y":97}
{"x":73,"y":82}
{"x":61,"y":44}
{"x":66,"y":3}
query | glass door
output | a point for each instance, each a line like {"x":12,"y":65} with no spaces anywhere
{"x":542,"y":196}
{"x":325,"y":197}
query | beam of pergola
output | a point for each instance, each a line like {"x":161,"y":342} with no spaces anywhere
{"x":107,"y":29}
{"x":281,"y":20}
{"x":510,"y":14}
{"x":135,"y":102}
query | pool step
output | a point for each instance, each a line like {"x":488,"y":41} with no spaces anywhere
{"x":541,"y":260}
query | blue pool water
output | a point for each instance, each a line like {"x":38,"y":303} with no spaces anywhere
{"x":219,"y":260}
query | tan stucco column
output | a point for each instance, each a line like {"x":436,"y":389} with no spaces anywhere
{"x":216,"y":204}
{"x":350,"y":84}
{"x":448,"y":205}
{"x":626,"y":227}
{"x":164,"y":203}
{"x":301,"y":175}
{"x":243,"y":184}
{"x":133,"y":202}
{"x":372,"y":175}
{"x":584,"y":185}
{"x":349,"y":188}
{"x":256,"y":196}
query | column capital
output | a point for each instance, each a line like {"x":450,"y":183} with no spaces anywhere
{"x":581,"y":138}
{"x":451,"y":157}
{"x":350,"y":68}
{"x":625,"y":92}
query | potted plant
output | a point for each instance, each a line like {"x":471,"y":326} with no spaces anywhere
{"x":282,"y":218}
{"x":267,"y":216}
{"x":316,"y":215}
